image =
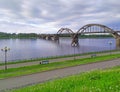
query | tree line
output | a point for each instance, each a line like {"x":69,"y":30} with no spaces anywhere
{"x":34,"y":35}
{"x":19,"y":35}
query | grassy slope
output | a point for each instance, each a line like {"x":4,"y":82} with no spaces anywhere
{"x":39,"y":68}
{"x":95,"y":81}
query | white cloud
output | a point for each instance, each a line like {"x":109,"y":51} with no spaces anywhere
{"x":46,"y":16}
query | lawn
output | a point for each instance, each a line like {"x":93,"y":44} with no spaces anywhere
{"x":95,"y":81}
{"x":12,"y":72}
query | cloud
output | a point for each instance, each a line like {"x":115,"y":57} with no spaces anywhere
{"x":46,"y":16}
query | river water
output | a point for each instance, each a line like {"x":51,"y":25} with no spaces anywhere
{"x":36,"y":48}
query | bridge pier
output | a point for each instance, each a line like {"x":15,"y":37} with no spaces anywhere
{"x":48,"y":37}
{"x":118,"y":43}
{"x":75,"y":40}
{"x":56,"y":38}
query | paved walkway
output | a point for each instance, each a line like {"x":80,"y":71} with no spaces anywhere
{"x":21,"y":81}
{"x":53,"y":60}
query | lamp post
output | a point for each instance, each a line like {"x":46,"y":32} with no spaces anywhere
{"x":5,"y":49}
{"x":110,"y":43}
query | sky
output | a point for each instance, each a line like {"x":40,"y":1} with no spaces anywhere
{"x":48,"y":16}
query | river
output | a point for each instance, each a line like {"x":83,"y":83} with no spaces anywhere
{"x":36,"y":48}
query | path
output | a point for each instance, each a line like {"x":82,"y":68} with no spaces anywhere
{"x":21,"y":81}
{"x":52,"y":60}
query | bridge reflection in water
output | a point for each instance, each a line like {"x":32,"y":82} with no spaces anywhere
{"x":87,"y":29}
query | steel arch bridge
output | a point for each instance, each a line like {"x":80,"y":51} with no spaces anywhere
{"x":86,"y":29}
{"x":95,"y":29}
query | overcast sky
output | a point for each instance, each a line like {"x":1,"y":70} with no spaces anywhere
{"x":48,"y":16}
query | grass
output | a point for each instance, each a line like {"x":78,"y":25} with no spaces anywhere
{"x":12,"y":72}
{"x":96,"y":81}
{"x":55,"y":57}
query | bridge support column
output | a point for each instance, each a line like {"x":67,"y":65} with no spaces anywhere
{"x":56,"y":38}
{"x":75,"y":41}
{"x":48,"y":37}
{"x":118,"y":43}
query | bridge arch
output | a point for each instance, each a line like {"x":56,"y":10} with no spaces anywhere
{"x":65,"y":30}
{"x":97,"y":28}
{"x":69,"y":31}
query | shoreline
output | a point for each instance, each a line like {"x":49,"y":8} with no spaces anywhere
{"x":55,"y":57}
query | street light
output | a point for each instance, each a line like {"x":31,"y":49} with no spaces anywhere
{"x":5,"y":49}
{"x":110,"y":43}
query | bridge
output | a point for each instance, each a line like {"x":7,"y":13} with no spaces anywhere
{"x":86,"y":29}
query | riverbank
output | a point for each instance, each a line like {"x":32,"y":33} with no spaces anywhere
{"x":59,"y":57}
{"x":30,"y":69}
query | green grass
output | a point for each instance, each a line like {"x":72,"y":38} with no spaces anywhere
{"x":12,"y":72}
{"x":96,"y":81}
